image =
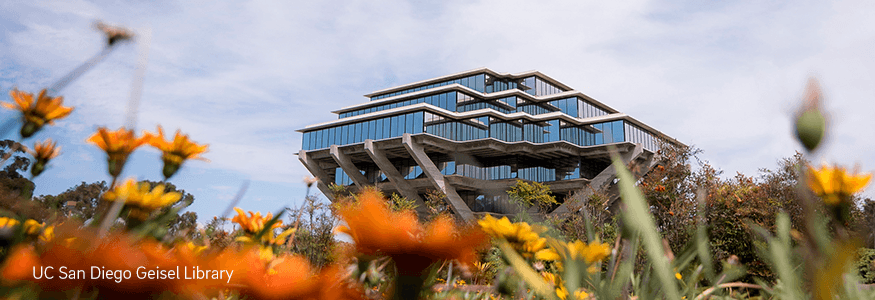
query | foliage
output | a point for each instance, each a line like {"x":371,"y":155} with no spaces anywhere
{"x":589,"y":207}
{"x":436,"y":202}
{"x":399,"y":203}
{"x":533,"y":193}
{"x":11,"y":179}
{"x":865,"y":265}
{"x":314,"y":238}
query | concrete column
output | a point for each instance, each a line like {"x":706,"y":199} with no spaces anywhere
{"x":317,"y":171}
{"x":605,"y":177}
{"x":434,"y":175}
{"x":394,"y":176}
{"x":348,"y":167}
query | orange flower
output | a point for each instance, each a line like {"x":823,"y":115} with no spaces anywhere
{"x":113,"y":33}
{"x":378,"y":230}
{"x":294,"y":277}
{"x":175,"y":152}
{"x":43,"y":152}
{"x":36,"y":114}
{"x":118,"y":145}
{"x":254,"y":223}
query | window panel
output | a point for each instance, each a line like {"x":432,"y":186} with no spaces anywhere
{"x":387,"y":126}
{"x":306,"y":141}
{"x":394,"y":126}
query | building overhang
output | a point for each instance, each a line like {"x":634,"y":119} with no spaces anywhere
{"x":485,"y":96}
{"x":469,"y":73}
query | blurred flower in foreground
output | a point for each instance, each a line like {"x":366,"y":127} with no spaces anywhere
{"x":42,"y":153}
{"x":377,"y":230}
{"x":521,"y":236}
{"x":578,"y":250}
{"x":45,"y":110}
{"x":562,"y":293}
{"x":113,"y":33}
{"x":309,"y":181}
{"x":141,"y":197}
{"x":810,"y":120}
{"x":39,"y":230}
{"x":175,"y":152}
{"x":834,"y":184}
{"x":118,"y":145}
{"x":8,"y":222}
{"x":293,"y":278}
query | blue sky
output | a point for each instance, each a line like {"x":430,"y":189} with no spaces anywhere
{"x":242,"y":76}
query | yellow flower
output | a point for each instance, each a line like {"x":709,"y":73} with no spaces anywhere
{"x":834,"y":184}
{"x":48,"y":234}
{"x":547,"y":254}
{"x":32,"y":227}
{"x":8,"y":222}
{"x":175,"y":152}
{"x":43,"y":152}
{"x":191,"y":247}
{"x":45,"y":110}
{"x":678,"y":276}
{"x":592,"y":252}
{"x":143,"y":199}
{"x":39,"y":230}
{"x":118,"y":145}
{"x":550,"y":277}
{"x":522,"y":236}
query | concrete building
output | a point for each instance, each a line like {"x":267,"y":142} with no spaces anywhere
{"x":471,"y":135}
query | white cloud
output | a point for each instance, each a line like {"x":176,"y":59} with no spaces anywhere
{"x":243,"y":76}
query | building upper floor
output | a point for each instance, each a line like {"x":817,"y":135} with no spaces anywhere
{"x":480,"y":104}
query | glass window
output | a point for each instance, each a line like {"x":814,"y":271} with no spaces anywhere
{"x":417,"y":122}
{"x":320,"y":139}
{"x":409,"y":126}
{"x":394,"y":126}
{"x":599,"y":137}
{"x":617,"y":130}
{"x":608,"y":135}
{"x":306,"y":141}
{"x":378,"y":129}
{"x":386,"y":127}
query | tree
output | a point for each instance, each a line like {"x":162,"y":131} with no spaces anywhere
{"x":11,"y":181}
{"x":534,"y":193}
{"x":80,"y":202}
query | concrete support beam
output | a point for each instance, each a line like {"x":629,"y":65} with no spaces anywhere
{"x":317,"y":171}
{"x":348,"y":167}
{"x":394,"y":176}
{"x":434,"y":174}
{"x":605,"y":177}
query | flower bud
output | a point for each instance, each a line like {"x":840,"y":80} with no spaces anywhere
{"x":810,"y":119}
{"x":810,"y":128}
{"x":38,"y":168}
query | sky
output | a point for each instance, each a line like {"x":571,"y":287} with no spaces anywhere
{"x":723,"y":76}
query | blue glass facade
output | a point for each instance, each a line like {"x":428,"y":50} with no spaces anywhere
{"x":505,"y":124}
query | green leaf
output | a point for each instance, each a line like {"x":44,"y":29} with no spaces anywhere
{"x":525,"y":271}
{"x":637,"y":216}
